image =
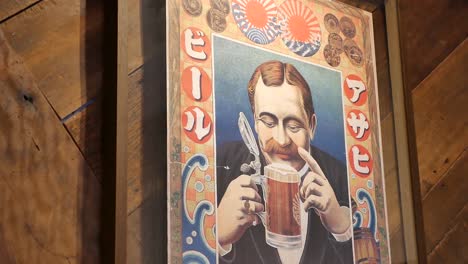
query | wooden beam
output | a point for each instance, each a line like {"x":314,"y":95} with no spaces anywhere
{"x":114,"y":137}
{"x":121,"y":140}
{"x":406,"y":154}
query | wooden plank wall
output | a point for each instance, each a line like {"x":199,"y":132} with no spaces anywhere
{"x":50,"y":164}
{"x":435,"y":52}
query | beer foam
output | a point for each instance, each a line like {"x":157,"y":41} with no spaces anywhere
{"x":282,"y":172}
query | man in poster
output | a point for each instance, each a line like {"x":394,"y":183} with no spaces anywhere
{"x":285,"y":123}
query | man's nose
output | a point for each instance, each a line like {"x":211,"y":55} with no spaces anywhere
{"x":281,"y":136}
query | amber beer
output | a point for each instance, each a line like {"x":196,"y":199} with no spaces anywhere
{"x":282,"y":206}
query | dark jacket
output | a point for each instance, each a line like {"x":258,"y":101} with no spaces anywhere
{"x":320,"y":245}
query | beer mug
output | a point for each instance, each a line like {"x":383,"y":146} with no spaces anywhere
{"x":282,"y":215}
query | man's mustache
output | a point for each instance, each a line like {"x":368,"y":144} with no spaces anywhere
{"x":272,"y":146}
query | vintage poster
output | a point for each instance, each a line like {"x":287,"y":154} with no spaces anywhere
{"x":274,"y":148}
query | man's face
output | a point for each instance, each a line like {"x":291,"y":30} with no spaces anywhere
{"x":281,"y":123}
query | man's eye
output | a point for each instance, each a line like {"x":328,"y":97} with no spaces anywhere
{"x":294,"y":129}
{"x":269,"y":124}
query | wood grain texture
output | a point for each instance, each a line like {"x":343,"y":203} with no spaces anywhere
{"x":147,"y":162}
{"x":136,"y":164}
{"x":441,"y":123}
{"x":142,"y":43}
{"x":85,"y":129}
{"x":454,"y":247}
{"x":8,"y":8}
{"x":397,"y":244}
{"x":5,"y":249}
{"x":381,"y":61}
{"x":139,"y":163}
{"x":445,"y":201}
{"x":121,"y":134}
{"x":391,"y":176}
{"x":143,"y":240}
{"x":54,"y":37}
{"x":52,"y":25}
{"x":405,"y":140}
{"x":392,"y":190}
{"x":430,"y":31}
{"x":49,"y":198}
{"x":146,"y":115}
{"x":436,"y":51}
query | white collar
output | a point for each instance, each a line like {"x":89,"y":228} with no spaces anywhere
{"x":304,"y":170}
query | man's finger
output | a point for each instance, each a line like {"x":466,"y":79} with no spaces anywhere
{"x":247,"y":193}
{"x":313,"y":201}
{"x":246,"y":181}
{"x":310,"y":177}
{"x":251,"y":207}
{"x":251,"y":220}
{"x":313,"y":165}
{"x":320,"y":180}
{"x":313,"y":188}
{"x":256,"y":221}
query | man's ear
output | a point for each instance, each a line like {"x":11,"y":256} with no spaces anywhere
{"x":313,"y":126}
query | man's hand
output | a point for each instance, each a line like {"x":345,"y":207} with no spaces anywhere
{"x":236,"y":211}
{"x":316,"y":192}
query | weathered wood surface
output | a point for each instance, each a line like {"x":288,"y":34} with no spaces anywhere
{"x":8,"y":8}
{"x":441,"y":123}
{"x":391,"y":176}
{"x":49,"y":197}
{"x":430,"y":30}
{"x":438,"y":101}
{"x":146,"y":177}
{"x":85,"y":129}
{"x":34,"y":32}
{"x":147,"y":162}
{"x":143,"y":43}
{"x":6,"y":254}
{"x":381,"y":61}
{"x":392,"y":191}
{"x":445,"y":201}
{"x":397,"y":243}
{"x":69,"y":73}
{"x":454,"y":247}
{"x":435,"y":60}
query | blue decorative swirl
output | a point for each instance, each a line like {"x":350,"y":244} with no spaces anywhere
{"x":363,"y":196}
{"x":357,"y":219}
{"x":195,"y":246}
{"x":256,"y":36}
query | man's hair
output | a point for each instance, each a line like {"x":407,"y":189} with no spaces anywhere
{"x":275,"y":73}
